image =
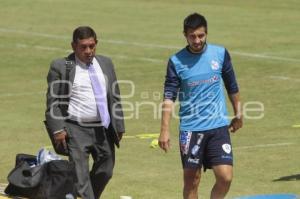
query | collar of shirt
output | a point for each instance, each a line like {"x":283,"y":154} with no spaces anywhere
{"x":80,"y":63}
{"x":84,"y":65}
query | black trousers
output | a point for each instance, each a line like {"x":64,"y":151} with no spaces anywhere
{"x":85,"y":141}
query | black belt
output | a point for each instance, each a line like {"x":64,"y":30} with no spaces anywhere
{"x":85,"y":124}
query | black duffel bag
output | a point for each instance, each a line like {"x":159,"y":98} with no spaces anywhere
{"x":52,"y":180}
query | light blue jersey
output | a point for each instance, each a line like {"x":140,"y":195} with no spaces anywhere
{"x":198,"y":81}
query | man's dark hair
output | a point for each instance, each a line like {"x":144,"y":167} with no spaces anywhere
{"x":194,"y":21}
{"x":83,"y":32}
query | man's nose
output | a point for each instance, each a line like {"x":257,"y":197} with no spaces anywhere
{"x":197,"y":40}
{"x":88,"y":50}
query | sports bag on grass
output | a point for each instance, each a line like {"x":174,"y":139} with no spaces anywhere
{"x":52,"y":180}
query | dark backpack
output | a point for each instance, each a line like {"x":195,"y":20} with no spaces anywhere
{"x":52,"y":180}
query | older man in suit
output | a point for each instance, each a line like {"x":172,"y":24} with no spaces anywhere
{"x":84,"y":113}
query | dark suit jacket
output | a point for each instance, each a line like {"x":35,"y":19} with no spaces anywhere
{"x":58,"y":94}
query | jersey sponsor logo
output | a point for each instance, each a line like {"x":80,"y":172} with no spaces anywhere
{"x":185,"y":138}
{"x":226,"y":157}
{"x":226,"y":148}
{"x":211,"y":80}
{"x":214,"y":65}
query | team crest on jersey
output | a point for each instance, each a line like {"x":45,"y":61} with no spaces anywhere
{"x":214,"y":65}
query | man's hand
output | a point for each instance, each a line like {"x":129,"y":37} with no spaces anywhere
{"x":164,"y":141}
{"x":60,"y":139}
{"x":236,"y":123}
{"x":120,"y":135}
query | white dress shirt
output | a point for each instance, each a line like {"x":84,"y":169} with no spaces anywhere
{"x":82,"y":106}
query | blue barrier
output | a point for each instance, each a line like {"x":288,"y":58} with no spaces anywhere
{"x":271,"y":196}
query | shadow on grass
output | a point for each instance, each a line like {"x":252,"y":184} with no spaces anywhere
{"x":288,"y":178}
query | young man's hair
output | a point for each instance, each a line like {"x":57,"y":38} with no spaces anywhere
{"x":84,"y":32}
{"x":194,"y":21}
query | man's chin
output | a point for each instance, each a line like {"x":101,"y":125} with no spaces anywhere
{"x":89,"y":60}
{"x":197,"y":49}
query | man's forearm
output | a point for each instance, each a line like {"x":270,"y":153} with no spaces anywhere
{"x":164,"y":138}
{"x":167,"y":109}
{"x":236,"y":104}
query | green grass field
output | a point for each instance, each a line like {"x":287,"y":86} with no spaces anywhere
{"x":140,"y":35}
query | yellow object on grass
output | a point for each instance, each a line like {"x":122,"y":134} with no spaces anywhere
{"x":154,"y":143}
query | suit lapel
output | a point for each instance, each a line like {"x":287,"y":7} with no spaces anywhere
{"x":105,"y":71}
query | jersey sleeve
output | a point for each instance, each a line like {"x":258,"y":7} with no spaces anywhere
{"x":228,"y":75}
{"x":172,"y":82}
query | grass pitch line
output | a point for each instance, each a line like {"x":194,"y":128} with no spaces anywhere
{"x":120,"y":42}
{"x":296,"y":126}
{"x":284,"y":78}
{"x":20,"y":94}
{"x":48,"y":48}
{"x":264,"y":56}
{"x":264,"y":145}
{"x":6,"y":30}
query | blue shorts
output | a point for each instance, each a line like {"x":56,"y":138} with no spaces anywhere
{"x":205,"y":148}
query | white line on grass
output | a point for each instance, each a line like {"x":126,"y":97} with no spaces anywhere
{"x":6,"y":30}
{"x":265,"y":56}
{"x":284,"y":78}
{"x":20,"y":94}
{"x":264,"y":145}
{"x":47,"y":48}
{"x":142,"y":44}
{"x":252,"y":55}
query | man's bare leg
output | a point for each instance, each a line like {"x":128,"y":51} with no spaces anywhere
{"x":191,"y":183}
{"x":223,"y":174}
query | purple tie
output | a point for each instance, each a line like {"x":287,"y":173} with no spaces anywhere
{"x":100,"y":96}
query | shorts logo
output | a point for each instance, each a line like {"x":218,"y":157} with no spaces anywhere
{"x":226,"y":148}
{"x":195,"y":161}
{"x":214,"y":65}
{"x":185,"y":138}
{"x":196,"y":147}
